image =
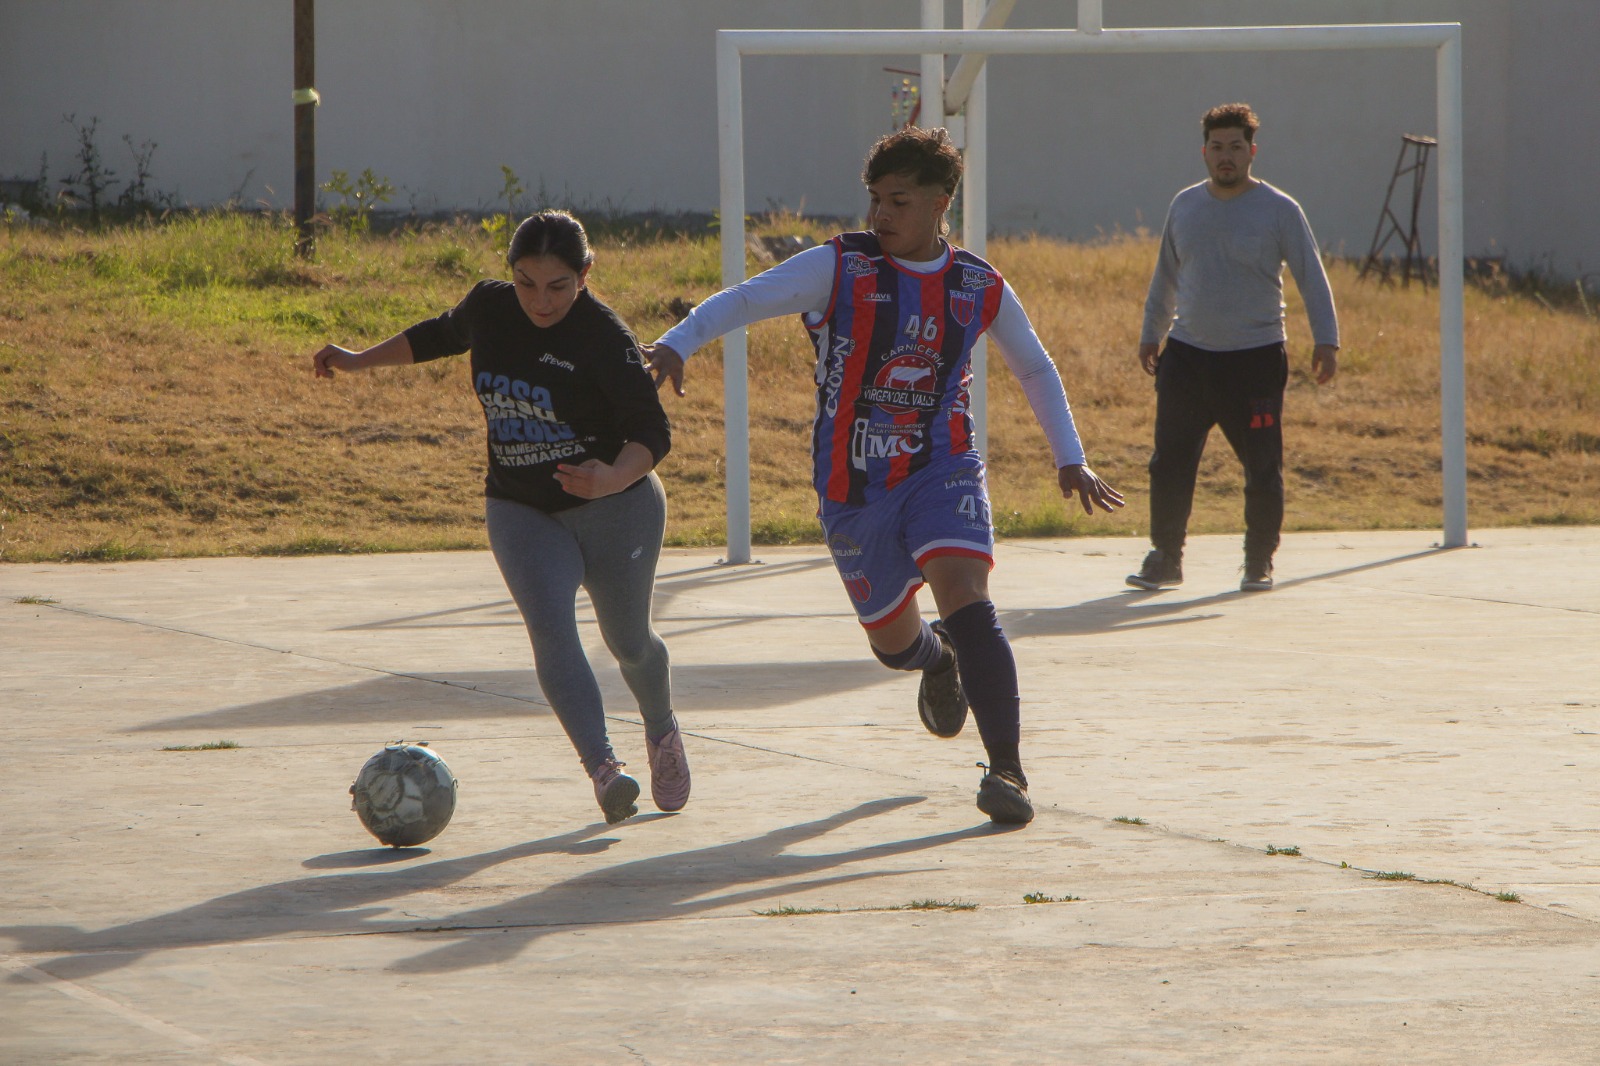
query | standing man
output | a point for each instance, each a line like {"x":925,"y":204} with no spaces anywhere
{"x":1217,"y":299}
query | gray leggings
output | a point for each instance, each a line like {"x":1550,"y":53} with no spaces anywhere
{"x":608,"y":546}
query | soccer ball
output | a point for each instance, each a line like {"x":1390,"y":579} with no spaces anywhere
{"x":404,"y":795}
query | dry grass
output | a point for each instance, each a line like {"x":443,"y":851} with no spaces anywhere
{"x":155,"y":398}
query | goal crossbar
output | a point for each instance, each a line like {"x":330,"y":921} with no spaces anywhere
{"x":1443,"y":38}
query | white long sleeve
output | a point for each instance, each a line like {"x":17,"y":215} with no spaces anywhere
{"x":802,"y":285}
{"x":1041,"y":383}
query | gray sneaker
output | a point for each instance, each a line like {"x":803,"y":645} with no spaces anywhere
{"x":615,"y":791}
{"x":1160,"y":570}
{"x":1003,"y":796}
{"x":941,"y":704}
{"x":669,"y":771}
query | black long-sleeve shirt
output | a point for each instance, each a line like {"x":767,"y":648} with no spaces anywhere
{"x":565,"y":393}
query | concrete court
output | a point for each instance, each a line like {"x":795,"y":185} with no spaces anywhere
{"x":1389,"y":709}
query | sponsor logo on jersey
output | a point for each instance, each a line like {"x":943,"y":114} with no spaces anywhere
{"x":973,"y":278}
{"x":843,"y":547}
{"x":856,"y":583}
{"x":856,"y":264}
{"x":905,"y":383}
{"x":839,"y":350}
{"x":562,"y":363}
{"x":874,"y":441}
{"x":878,"y":297}
{"x":962,"y":306}
{"x":927,"y":351}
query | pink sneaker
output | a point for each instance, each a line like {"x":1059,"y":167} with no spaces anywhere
{"x":669,"y":771}
{"x":615,"y":791}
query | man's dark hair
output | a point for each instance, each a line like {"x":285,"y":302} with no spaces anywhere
{"x":1230,"y":117}
{"x":929,"y":157}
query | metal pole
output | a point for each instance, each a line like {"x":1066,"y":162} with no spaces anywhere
{"x":959,"y":84}
{"x":305,"y":126}
{"x":1444,"y":38}
{"x":975,"y":217}
{"x":1089,"y":17}
{"x":931,"y":90}
{"x":1073,"y":42}
{"x":1452,"y":314}
{"x":735,"y":345}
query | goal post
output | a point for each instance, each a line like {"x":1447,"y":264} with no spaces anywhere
{"x":1443,"y":38}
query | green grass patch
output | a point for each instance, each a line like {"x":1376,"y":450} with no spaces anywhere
{"x":711,"y":535}
{"x":1565,"y":518}
{"x":935,"y":905}
{"x":786,"y":529}
{"x":1288,"y":849}
{"x":1393,"y":875}
{"x":1125,"y":820}
{"x":215,"y":745}
{"x":1040,"y":897}
{"x":1508,"y":897}
{"x":189,"y":339}
{"x":111,"y":551}
{"x":1053,"y":519}
{"x":35,"y":601}
{"x":786,"y":911}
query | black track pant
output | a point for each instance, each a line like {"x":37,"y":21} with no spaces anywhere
{"x":1242,"y":392}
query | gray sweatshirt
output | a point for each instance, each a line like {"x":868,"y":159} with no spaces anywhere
{"x":1218,"y":282}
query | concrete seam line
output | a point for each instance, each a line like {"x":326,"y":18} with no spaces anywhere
{"x":122,"y":1010}
{"x":1479,"y":599}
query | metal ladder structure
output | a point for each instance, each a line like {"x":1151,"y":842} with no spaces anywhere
{"x":1415,"y":262}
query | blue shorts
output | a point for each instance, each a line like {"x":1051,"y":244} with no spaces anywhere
{"x":879,"y":547}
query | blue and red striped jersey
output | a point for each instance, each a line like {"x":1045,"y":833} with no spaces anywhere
{"x":894,"y":364}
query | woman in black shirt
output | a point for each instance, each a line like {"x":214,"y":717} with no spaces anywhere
{"x":575,"y":431}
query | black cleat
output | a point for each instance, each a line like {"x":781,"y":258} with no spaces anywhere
{"x":1159,"y":571}
{"x":1257,"y":576}
{"x":1003,"y":796}
{"x":941,"y":704}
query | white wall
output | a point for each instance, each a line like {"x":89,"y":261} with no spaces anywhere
{"x":611,"y":104}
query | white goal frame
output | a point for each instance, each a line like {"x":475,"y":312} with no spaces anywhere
{"x":1088,"y":39}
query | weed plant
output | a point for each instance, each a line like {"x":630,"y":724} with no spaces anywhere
{"x":156,"y":398}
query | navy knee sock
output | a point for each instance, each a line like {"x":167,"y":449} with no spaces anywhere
{"x":924,"y":652}
{"x":989,"y":678}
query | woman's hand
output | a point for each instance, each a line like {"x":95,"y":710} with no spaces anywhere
{"x":396,"y":351}
{"x":331,"y":358}
{"x":591,"y":479}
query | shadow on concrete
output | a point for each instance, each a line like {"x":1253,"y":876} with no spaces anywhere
{"x":396,"y":700}
{"x":658,"y":888}
{"x":737,"y":574}
{"x":503,"y":613}
{"x":388,"y":700}
{"x":1133,"y":609}
{"x":344,"y":860}
{"x":676,"y":886}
